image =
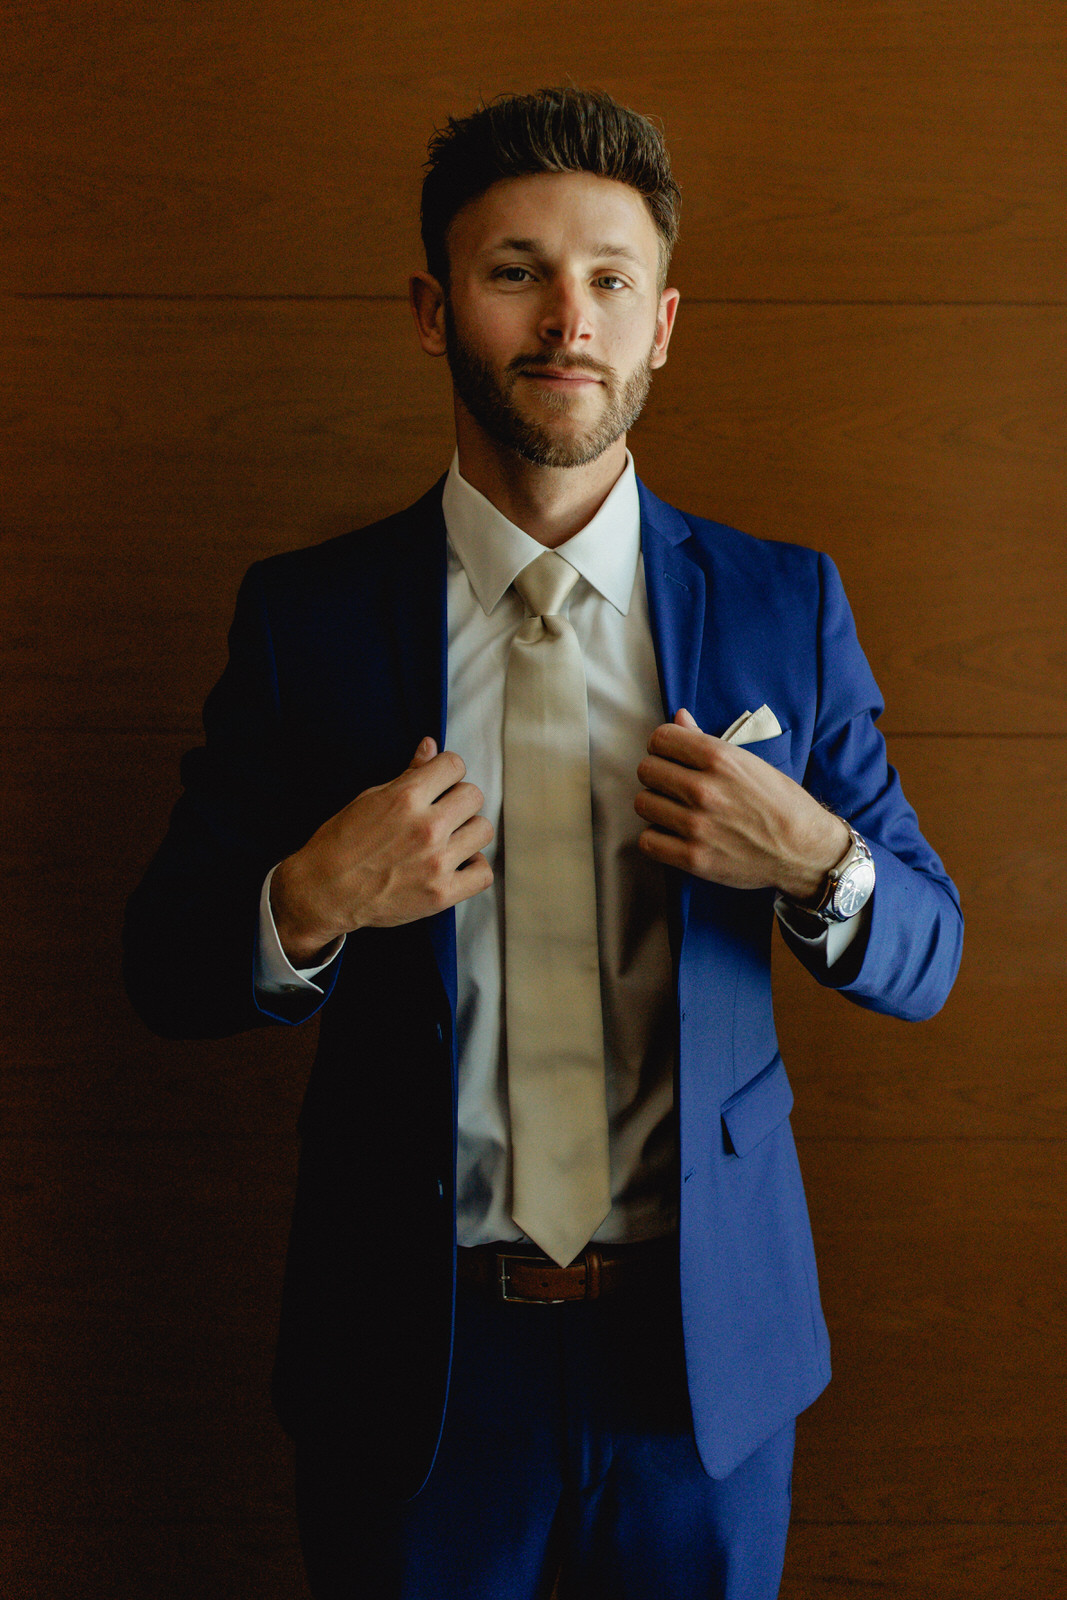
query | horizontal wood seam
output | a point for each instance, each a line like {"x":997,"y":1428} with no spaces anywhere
{"x":146,"y":1136}
{"x":191,"y":731}
{"x":400,"y":299}
{"x":919,"y":1522}
{"x":283,"y":1520}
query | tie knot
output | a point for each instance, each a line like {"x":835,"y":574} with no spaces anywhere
{"x":545,"y":584}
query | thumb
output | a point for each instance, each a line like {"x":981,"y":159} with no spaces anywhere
{"x":426,"y":751}
{"x":685,"y":720}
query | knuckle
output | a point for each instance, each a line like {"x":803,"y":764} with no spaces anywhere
{"x":473,"y":798}
{"x":437,"y":887}
{"x":423,"y":831}
{"x":437,"y":867}
{"x":690,"y":828}
{"x":406,"y":798}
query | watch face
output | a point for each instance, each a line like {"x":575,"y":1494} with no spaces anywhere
{"x":854,"y":889}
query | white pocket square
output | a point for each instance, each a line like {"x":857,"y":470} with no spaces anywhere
{"x":751,"y":726}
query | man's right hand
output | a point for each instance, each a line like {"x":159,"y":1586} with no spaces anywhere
{"x":400,"y":851}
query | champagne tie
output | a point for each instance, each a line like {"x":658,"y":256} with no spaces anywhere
{"x":555,"y":1038}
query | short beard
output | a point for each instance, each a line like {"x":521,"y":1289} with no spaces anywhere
{"x":490,"y":402}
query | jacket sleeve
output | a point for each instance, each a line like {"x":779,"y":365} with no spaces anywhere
{"x":191,"y":925}
{"x":907,"y":963}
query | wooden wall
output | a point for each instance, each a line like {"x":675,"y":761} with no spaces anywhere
{"x":206,"y":357}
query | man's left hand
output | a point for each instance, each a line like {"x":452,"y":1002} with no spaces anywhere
{"x":719,"y":812}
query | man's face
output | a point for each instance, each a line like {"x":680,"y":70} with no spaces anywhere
{"x":554,"y":320}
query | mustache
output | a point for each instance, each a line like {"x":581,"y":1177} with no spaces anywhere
{"x":559,"y":362}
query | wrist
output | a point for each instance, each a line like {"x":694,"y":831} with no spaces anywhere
{"x":302,"y":932}
{"x":805,"y":884}
{"x":847,"y":887}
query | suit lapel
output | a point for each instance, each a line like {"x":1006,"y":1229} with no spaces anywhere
{"x":443,"y":925}
{"x":676,"y":600}
{"x":418,"y":566}
{"x":705,"y":632}
{"x":700,"y":633}
{"x":418,"y":652}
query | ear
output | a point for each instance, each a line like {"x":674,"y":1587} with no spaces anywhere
{"x":668,"y":306}
{"x":428,"y":308}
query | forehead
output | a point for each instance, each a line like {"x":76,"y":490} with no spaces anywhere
{"x":557,"y":211}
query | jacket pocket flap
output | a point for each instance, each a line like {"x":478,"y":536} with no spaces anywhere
{"x":757,"y":1108}
{"x":777,"y":750}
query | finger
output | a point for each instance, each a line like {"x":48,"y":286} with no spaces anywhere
{"x":680,"y":782}
{"x":669,"y":815}
{"x":472,"y":877}
{"x":426,"y":750}
{"x":435,"y":776}
{"x":666,"y":849}
{"x":683,"y":744}
{"x":685,"y":719}
{"x":469,"y":839}
{"x":457,"y":805}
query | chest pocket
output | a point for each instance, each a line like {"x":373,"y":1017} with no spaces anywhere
{"x":776,"y":751}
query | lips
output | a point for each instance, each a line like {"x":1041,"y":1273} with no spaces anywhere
{"x":555,"y":375}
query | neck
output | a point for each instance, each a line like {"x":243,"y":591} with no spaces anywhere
{"x":551,"y":504}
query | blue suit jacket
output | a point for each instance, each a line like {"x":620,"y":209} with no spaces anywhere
{"x":337,"y":668}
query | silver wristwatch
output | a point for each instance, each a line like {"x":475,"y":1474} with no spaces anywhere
{"x":849,"y":885}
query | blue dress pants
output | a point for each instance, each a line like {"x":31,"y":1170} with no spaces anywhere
{"x":567,"y":1453}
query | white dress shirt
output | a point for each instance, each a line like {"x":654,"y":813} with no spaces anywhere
{"x":609,"y":613}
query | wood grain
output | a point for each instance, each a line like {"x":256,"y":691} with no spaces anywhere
{"x":128,"y":1559}
{"x":942,"y":1270}
{"x":138,"y":1323}
{"x":870,"y":359}
{"x":153,"y":451}
{"x":925,"y":1561}
{"x":875,"y":152}
{"x":992,"y":1062}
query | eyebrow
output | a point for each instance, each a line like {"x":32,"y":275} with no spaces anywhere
{"x":622,"y":250}
{"x":536,"y":247}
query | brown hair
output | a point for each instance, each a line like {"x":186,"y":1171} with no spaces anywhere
{"x":553,"y":130}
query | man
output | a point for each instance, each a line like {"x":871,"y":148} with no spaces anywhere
{"x":513,"y":786}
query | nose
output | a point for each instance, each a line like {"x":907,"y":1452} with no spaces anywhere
{"x":565,"y":317}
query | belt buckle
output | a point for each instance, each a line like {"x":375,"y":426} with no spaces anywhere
{"x":503,"y":1278}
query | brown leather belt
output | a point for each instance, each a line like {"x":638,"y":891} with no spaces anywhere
{"x":520,"y":1275}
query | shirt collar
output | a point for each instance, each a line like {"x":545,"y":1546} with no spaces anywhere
{"x":493,"y":551}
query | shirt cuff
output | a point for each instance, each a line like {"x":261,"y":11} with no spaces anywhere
{"x":274,"y":972}
{"x":831,"y":939}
